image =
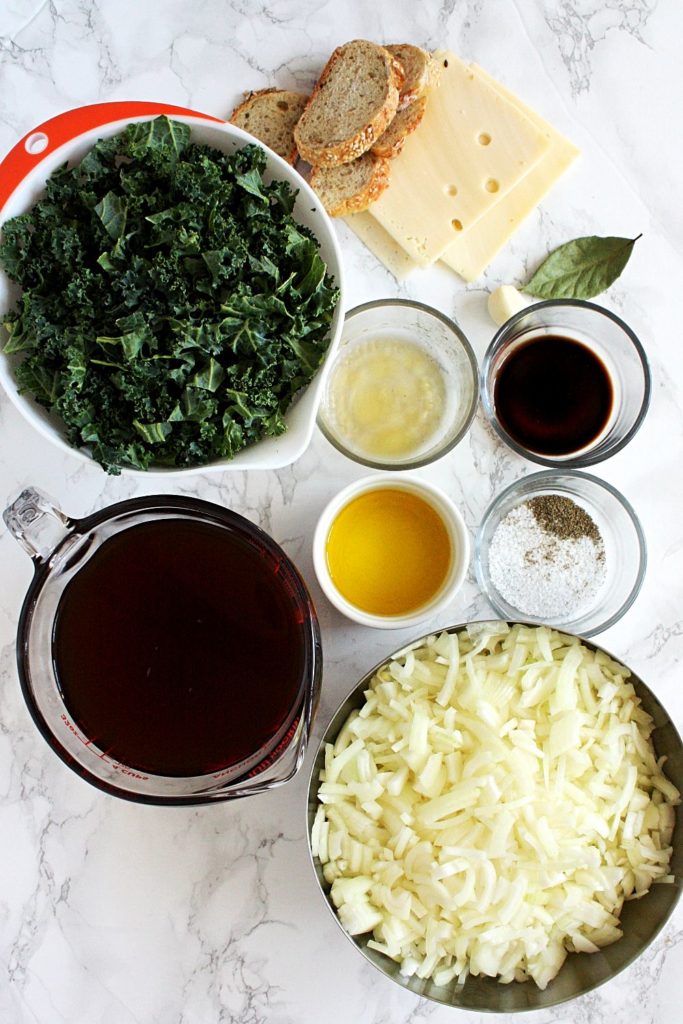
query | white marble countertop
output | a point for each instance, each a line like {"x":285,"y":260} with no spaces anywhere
{"x":125,"y":914}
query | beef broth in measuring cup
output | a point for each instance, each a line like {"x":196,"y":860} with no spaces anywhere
{"x":176,"y":650}
{"x":168,"y":649}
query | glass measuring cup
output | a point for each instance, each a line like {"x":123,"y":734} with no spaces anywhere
{"x":61,"y":548}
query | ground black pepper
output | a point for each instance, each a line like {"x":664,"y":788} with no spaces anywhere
{"x":563,"y":518}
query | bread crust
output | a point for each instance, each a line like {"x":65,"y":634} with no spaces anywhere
{"x":248,"y":101}
{"x":406,"y":121}
{"x":359,"y":142}
{"x":360,"y":201}
{"x":413,"y":87}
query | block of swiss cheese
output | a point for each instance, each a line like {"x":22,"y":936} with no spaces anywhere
{"x":474,"y":249}
{"x":471,"y":252}
{"x":473,"y":147}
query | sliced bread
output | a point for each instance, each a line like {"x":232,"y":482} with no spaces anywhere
{"x":350,"y":187}
{"x":419,"y":69}
{"x":406,"y":121}
{"x":353,"y":102}
{"x":270,"y":115}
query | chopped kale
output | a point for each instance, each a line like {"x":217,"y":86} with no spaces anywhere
{"x":171,"y":307}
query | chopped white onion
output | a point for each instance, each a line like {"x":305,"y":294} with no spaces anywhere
{"x":492,"y":805}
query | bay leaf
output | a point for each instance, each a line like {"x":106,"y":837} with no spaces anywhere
{"x":582,"y":268}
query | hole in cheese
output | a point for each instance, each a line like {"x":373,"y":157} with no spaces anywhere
{"x":491,"y":185}
{"x":451,"y":190}
{"x":457,"y":224}
{"x":484,"y":139}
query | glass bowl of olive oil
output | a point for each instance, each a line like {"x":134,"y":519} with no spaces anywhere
{"x":402,"y":391}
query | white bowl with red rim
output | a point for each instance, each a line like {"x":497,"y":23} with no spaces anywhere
{"x":67,"y":138}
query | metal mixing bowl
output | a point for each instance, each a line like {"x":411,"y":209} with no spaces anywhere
{"x":641,"y":920}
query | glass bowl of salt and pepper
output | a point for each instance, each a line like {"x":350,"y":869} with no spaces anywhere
{"x":561,"y":548}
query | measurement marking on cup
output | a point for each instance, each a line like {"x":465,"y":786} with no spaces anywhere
{"x":129,"y":772}
{"x":74,"y":730}
{"x":117,"y":766}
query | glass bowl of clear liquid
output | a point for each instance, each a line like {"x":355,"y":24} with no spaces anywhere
{"x":402,"y":390}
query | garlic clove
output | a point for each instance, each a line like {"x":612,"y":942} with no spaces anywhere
{"x":506,"y":301}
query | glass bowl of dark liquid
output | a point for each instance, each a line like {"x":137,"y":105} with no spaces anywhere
{"x":565,"y":382}
{"x":167,"y":648}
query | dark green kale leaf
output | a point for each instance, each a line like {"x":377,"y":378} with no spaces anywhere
{"x":171,"y":307}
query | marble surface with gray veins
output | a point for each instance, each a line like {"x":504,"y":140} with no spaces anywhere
{"x":125,"y":914}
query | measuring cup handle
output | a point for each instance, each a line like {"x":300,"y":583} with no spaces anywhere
{"x":36,"y":523}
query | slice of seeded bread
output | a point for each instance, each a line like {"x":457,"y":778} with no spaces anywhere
{"x":270,"y":115}
{"x":353,"y":102}
{"x":350,"y":187}
{"x":419,"y":70}
{"x":406,"y":121}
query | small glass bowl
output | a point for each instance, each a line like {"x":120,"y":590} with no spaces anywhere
{"x":437,"y":336}
{"x":622,"y":535}
{"x":610,"y":339}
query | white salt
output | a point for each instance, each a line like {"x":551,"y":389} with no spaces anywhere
{"x":541,"y":574}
